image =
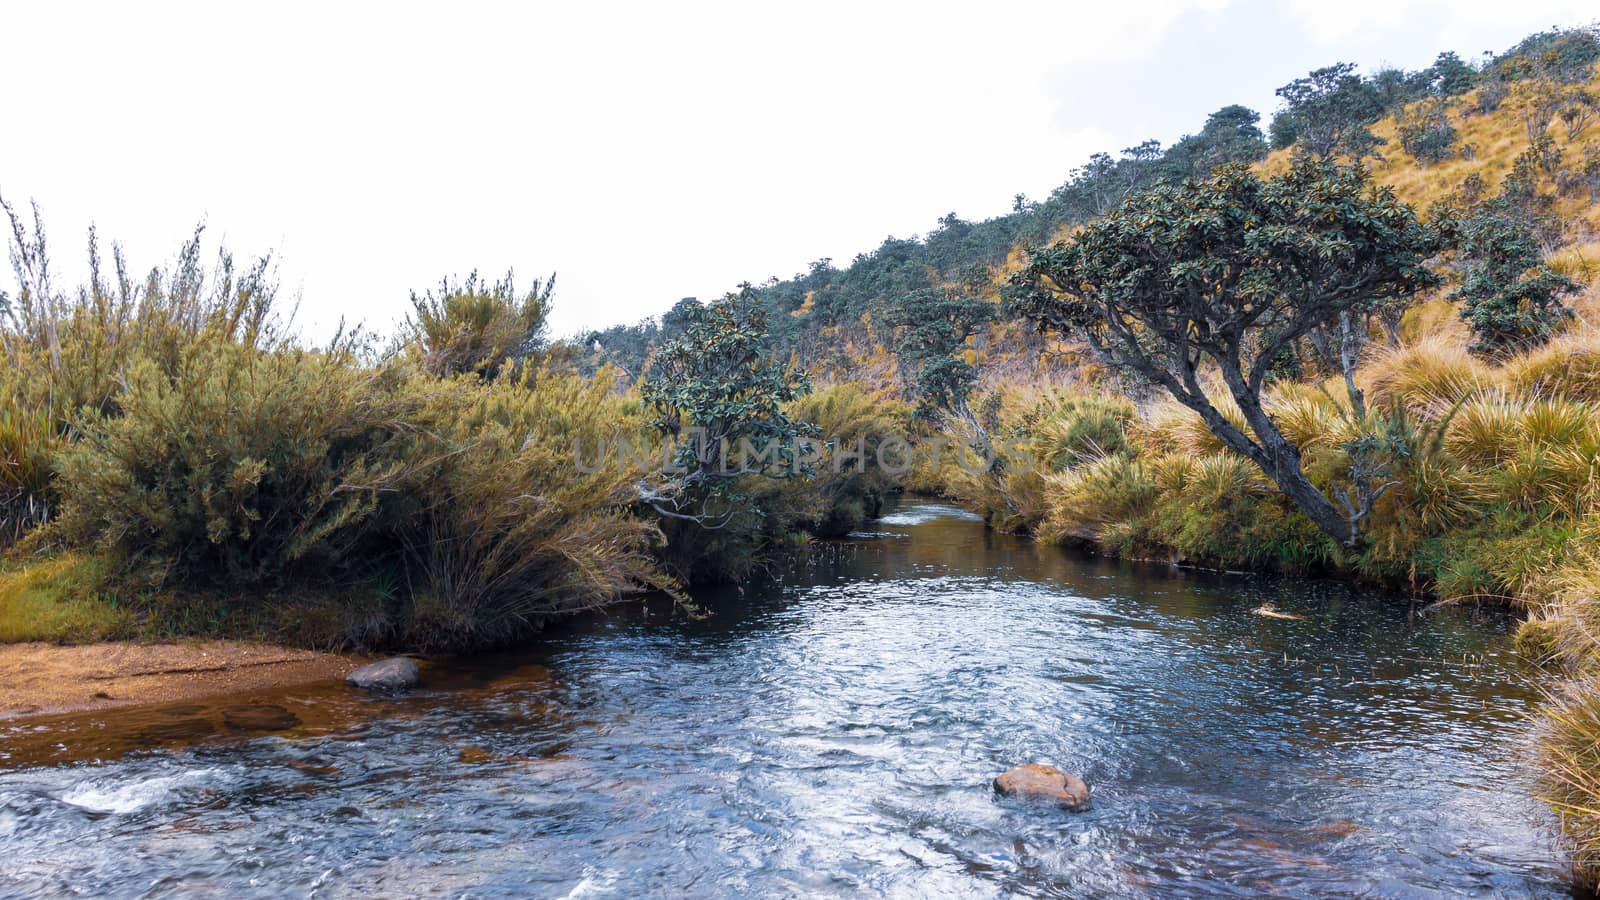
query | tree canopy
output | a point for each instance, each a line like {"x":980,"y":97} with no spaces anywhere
{"x":716,"y":391}
{"x":1225,"y":275}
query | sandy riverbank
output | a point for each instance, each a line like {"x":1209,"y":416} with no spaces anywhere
{"x":40,"y":679}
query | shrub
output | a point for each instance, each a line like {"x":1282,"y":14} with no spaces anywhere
{"x":1509,"y":297}
{"x":77,"y":347}
{"x":27,"y":439}
{"x":853,"y":419}
{"x":508,"y":531}
{"x":1425,"y":131}
{"x":243,"y":465}
{"x":477,"y":327}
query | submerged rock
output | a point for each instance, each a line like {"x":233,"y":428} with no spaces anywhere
{"x":259,"y":717}
{"x":395,"y":674}
{"x":1036,"y":781}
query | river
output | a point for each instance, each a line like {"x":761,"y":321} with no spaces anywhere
{"x":833,"y":731}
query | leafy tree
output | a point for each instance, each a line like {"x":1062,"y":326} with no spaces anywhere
{"x":1509,"y":297}
{"x":1395,"y":87}
{"x":1225,"y":275}
{"x":478,"y":327}
{"x":1327,"y":113}
{"x":1450,"y":75}
{"x":1564,"y":55}
{"x":1231,"y":135}
{"x":718,"y":395}
{"x":677,"y":320}
{"x":934,"y":324}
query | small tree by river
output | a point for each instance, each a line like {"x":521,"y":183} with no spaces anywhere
{"x":1228,"y":275}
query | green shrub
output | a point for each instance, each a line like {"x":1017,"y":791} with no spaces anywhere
{"x":244,"y":465}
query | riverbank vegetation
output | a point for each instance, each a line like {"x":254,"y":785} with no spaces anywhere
{"x":1361,"y":341}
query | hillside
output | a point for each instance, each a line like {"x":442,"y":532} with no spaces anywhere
{"x":832,"y":318}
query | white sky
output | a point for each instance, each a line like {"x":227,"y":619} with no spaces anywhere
{"x":644,"y":151}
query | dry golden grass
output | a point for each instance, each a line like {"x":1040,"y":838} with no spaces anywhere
{"x":1487,"y":146}
{"x":1568,"y":366}
{"x":1429,"y":377}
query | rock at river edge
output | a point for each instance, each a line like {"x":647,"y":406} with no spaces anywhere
{"x":396,"y":674}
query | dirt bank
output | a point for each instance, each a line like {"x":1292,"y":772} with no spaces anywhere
{"x":39,"y":678}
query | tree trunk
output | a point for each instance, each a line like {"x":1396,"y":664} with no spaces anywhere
{"x":1279,"y":460}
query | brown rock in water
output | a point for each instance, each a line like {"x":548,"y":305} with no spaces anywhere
{"x":1036,"y":781}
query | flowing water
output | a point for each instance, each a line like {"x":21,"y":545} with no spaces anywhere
{"x":834,"y":733}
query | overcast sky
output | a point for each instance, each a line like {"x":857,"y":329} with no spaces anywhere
{"x":644,"y":151}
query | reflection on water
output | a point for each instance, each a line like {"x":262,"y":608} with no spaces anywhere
{"x":834,"y":733}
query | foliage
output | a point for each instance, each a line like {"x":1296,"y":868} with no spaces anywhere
{"x":475,"y":327}
{"x":1230,"y":272}
{"x":716,"y":393}
{"x":1426,"y":133}
{"x":242,"y":465}
{"x":76,"y":346}
{"x":933,"y":326}
{"x":1326,"y":114}
{"x":27,"y":440}
{"x":508,"y":531}
{"x":1509,"y":297}
{"x":868,"y":437}
{"x":1231,"y":135}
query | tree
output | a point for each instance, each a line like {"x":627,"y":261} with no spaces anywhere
{"x":1509,"y":297}
{"x":718,"y":395}
{"x":1450,"y":75}
{"x":477,"y":327}
{"x":933,"y":325}
{"x":1226,"y":275}
{"x":1327,"y":114}
{"x":1231,"y":135}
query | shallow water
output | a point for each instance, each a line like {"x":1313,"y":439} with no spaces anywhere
{"x":835,"y":733}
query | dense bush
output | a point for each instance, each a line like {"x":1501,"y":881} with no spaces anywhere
{"x":243,"y":465}
{"x":866,"y":439}
{"x":224,"y":478}
{"x":510,"y":528}
{"x":478,"y":327}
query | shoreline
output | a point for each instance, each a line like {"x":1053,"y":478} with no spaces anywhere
{"x":42,"y":679}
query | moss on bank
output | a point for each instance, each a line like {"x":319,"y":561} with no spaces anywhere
{"x":59,"y":600}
